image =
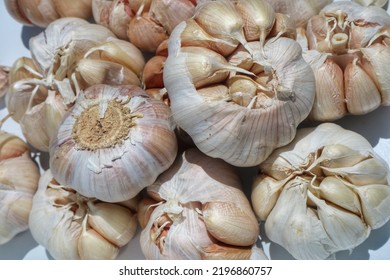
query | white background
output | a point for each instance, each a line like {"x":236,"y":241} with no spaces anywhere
{"x":374,"y":126}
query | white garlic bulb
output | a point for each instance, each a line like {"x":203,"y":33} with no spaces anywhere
{"x":19,"y":176}
{"x":269,"y":88}
{"x":43,"y":12}
{"x":69,"y":56}
{"x":347,"y":46}
{"x":206,"y":218}
{"x":72,"y":226}
{"x":113,"y":142}
{"x":323,"y":192}
{"x":379,"y":3}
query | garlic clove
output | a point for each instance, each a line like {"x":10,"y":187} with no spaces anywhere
{"x":73,"y":8}
{"x":169,"y":14}
{"x":39,"y":12}
{"x":225,"y":252}
{"x":4,"y":80}
{"x":11,"y":146}
{"x":214,"y":93}
{"x":152,"y":75}
{"x":145,"y":210}
{"x":374,"y":63}
{"x":21,"y":95}
{"x":194,"y":35}
{"x":283,"y":26}
{"x":94,"y":72}
{"x":329,"y":101}
{"x":92,"y":246}
{"x":33,"y":126}
{"x":121,"y":52}
{"x":146,"y":34}
{"x":211,"y":15}
{"x":361,"y":94}
{"x":230,"y":223}
{"x":375,"y":200}
{"x":344,"y":228}
{"x":369,"y":171}
{"x":55,"y":110}
{"x":118,"y":231}
{"x":258,"y":18}
{"x":297,"y":227}
{"x":265,"y":193}
{"x":339,"y":155}
{"x":119,"y":18}
{"x":334,"y":190}
{"x":15,"y":11}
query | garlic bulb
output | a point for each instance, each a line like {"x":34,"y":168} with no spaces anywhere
{"x":43,"y":12}
{"x":72,"y":226}
{"x":19,"y":177}
{"x":146,"y":23}
{"x":206,"y":218}
{"x":69,"y":56}
{"x":347,"y":47}
{"x":3,"y":80}
{"x":267,"y":87}
{"x":114,"y":142}
{"x":300,"y":11}
{"x":323,"y":192}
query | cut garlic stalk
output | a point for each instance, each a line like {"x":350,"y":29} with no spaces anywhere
{"x":113,"y":135}
{"x":72,"y":226}
{"x":329,"y":198}
{"x":210,"y":218}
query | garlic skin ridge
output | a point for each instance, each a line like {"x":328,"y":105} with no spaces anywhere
{"x":16,"y":190}
{"x":180,"y":222}
{"x":241,"y":135}
{"x":322,"y":193}
{"x":113,"y":136}
{"x":72,"y":227}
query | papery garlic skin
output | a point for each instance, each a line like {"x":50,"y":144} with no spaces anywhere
{"x":71,"y":226}
{"x":299,"y":10}
{"x":323,"y":192}
{"x":244,"y":127}
{"x":69,"y":56}
{"x":184,"y":222}
{"x":43,"y":12}
{"x":19,"y":176}
{"x":346,"y":45}
{"x":3,"y":80}
{"x":114,"y":142}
